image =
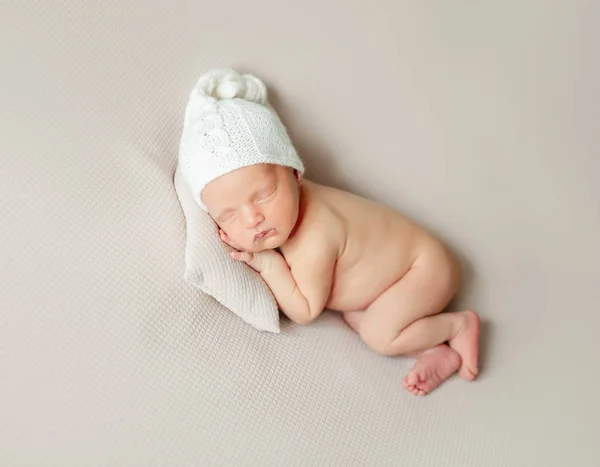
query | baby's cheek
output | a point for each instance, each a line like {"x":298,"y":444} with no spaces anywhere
{"x":292,"y":213}
{"x":242,"y":240}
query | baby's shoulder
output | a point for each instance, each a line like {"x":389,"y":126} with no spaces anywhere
{"x":322,"y":215}
{"x":319,"y":225}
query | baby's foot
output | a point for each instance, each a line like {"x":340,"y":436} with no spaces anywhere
{"x":466,"y":343}
{"x":433,"y":367}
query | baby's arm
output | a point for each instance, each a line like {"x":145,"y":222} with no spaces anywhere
{"x":302,"y":291}
{"x":303,"y":287}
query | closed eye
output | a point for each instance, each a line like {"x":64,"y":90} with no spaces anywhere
{"x":265,"y":195}
{"x":226,"y":217}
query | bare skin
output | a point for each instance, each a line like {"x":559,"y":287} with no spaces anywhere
{"x":390,"y":278}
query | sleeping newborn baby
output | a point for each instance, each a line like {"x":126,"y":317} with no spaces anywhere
{"x":318,"y":247}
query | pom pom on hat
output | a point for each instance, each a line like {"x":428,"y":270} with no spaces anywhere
{"x":229,"y":125}
{"x":228,"y":84}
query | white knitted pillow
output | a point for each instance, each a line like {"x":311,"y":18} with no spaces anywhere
{"x":209,"y":267}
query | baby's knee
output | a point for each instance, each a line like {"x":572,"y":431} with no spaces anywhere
{"x":446,"y":273}
{"x":456,"y":271}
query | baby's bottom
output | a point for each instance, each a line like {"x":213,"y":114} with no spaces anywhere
{"x":406,"y":320}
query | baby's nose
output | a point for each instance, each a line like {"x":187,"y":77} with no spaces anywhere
{"x":254,"y":218}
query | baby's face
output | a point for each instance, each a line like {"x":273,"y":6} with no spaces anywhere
{"x":256,"y":206}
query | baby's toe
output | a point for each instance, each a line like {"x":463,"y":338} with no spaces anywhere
{"x":412,"y":378}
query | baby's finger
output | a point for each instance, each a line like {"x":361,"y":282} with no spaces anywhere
{"x":244,"y":256}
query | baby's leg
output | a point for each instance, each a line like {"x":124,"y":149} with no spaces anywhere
{"x":432,"y":368}
{"x":406,"y":318}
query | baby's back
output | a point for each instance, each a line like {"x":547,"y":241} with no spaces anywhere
{"x":377,"y":245}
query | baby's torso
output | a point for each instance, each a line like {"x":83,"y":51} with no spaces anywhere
{"x":377,"y":245}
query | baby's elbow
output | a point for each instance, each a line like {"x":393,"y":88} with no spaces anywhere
{"x":302,"y":320}
{"x":306,"y":317}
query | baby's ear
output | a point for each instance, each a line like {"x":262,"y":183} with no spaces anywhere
{"x":298,"y":177}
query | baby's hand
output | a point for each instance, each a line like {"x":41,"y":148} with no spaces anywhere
{"x":260,"y":261}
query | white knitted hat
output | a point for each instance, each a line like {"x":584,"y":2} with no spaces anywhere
{"x":228,"y":125}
